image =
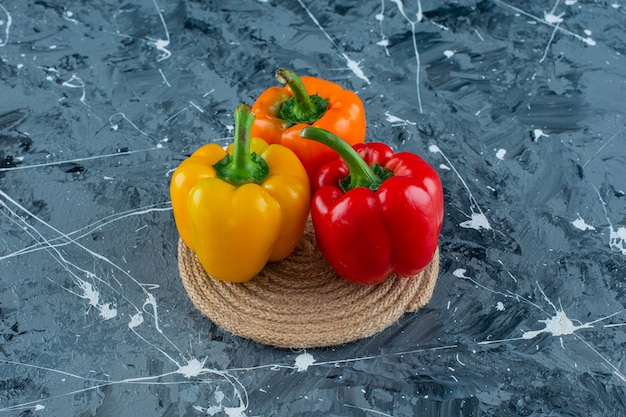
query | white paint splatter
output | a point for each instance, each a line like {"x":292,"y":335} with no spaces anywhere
{"x":92,"y":295}
{"x":303,"y":361}
{"x":89,"y":293}
{"x":552,"y":18}
{"x":107,"y":311}
{"x":477,"y":221}
{"x":559,"y":325}
{"x":397,"y":120}
{"x":459,"y":273}
{"x":235,"y":411}
{"x":500,"y":154}
{"x":69,"y":16}
{"x":193,"y":368}
{"x":538,"y":133}
{"x":617,"y":240}
{"x":580,"y":223}
{"x":589,"y":41}
{"x":356,"y":68}
{"x":135,"y":321}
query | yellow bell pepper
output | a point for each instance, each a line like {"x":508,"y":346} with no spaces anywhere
{"x":241,"y":208}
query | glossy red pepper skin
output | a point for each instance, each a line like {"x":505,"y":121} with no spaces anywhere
{"x":367,"y":235}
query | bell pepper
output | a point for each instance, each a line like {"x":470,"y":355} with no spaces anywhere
{"x":242,"y":207}
{"x":281,"y":112}
{"x":375,"y":212}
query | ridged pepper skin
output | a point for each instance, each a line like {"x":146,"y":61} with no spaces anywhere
{"x":366,"y":234}
{"x":235,"y":229}
{"x":345,"y":117}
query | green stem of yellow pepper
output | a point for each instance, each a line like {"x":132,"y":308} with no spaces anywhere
{"x":242,"y":167}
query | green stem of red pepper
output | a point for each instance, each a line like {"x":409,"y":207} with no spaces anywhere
{"x":301,"y":108}
{"x":361,"y":174}
{"x":242,"y":167}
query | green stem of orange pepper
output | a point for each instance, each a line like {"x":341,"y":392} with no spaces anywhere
{"x":242,"y":167}
{"x":301,"y":108}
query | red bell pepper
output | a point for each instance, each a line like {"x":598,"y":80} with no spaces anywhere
{"x":375,"y":212}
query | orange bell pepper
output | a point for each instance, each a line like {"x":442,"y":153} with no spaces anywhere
{"x":282,"y":112}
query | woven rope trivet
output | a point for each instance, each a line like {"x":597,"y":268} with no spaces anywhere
{"x":300,"y":302}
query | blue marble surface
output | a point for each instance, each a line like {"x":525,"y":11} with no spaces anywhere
{"x":520,"y":107}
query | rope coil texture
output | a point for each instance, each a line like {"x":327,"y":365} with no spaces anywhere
{"x":300,"y":302}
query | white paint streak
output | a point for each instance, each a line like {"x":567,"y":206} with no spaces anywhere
{"x":7,"y":26}
{"x":194,"y":105}
{"x":115,"y":126}
{"x":76,"y":82}
{"x":164,"y":78}
{"x":69,"y":161}
{"x":354,"y":66}
{"x":477,"y":219}
{"x":412,"y":24}
{"x":604,"y":145}
{"x":161,"y":44}
{"x":586,"y":40}
{"x":380,"y":17}
{"x":617,"y":236}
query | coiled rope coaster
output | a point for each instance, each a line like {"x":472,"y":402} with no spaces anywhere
{"x":300,"y":302}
